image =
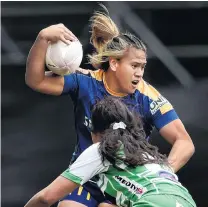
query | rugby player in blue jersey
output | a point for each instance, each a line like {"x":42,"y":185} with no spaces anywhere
{"x":131,"y":171}
{"x":119,"y":61}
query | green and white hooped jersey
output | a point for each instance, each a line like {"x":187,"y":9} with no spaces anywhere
{"x":127,"y":185}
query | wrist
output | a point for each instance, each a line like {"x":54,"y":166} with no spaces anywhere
{"x":42,"y":35}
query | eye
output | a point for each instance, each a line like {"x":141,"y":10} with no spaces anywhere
{"x":134,"y":66}
{"x":143,"y":67}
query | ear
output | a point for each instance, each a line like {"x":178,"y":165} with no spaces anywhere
{"x":113,"y":64}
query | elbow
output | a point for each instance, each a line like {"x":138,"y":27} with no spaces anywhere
{"x":189,"y":148}
{"x":28,"y":82}
{"x":31,"y":83}
{"x":192,"y":149}
{"x":45,"y":198}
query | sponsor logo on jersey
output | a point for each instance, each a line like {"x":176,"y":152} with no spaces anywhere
{"x":88,"y":122}
{"x":130,"y":184}
{"x":157,"y":104}
{"x":167,"y":175}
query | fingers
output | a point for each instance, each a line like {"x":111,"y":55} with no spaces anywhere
{"x":66,"y":38}
{"x":67,"y":32}
{"x":63,"y":39}
{"x":70,"y":33}
{"x":69,"y":37}
{"x":60,"y":32}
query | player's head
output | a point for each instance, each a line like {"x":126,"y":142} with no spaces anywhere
{"x":123,"y":54}
{"x":115,"y":126}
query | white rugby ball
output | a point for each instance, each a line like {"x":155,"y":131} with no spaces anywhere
{"x":64,"y":59}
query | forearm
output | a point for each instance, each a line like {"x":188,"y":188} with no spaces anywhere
{"x":181,"y":152}
{"x":36,"y":201}
{"x":59,"y":188}
{"x":35,"y":68}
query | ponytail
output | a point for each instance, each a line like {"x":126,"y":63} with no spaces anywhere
{"x":128,"y":146}
{"x":103,"y":29}
{"x":122,"y":136}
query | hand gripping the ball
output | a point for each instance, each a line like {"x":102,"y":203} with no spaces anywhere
{"x":58,"y":32}
{"x":64,"y":53}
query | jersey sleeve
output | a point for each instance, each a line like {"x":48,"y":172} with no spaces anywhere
{"x":160,"y":110}
{"x":71,"y":84}
{"x":77,"y":84}
{"x":87,"y":165}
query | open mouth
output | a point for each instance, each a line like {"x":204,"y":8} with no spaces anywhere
{"x":135,"y":82}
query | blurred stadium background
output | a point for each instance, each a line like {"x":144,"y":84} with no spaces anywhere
{"x":38,"y":135}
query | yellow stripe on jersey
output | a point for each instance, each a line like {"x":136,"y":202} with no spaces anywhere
{"x":110,"y":91}
{"x":97,"y":74}
{"x":143,"y":88}
{"x":148,"y":90}
{"x":165,"y":108}
{"x":88,"y":196}
{"x":159,"y":102}
{"x":80,"y":190}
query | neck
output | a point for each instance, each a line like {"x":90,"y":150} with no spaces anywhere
{"x":111,"y":84}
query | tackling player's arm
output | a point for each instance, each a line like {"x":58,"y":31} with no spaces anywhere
{"x":81,"y":171}
{"x":52,"y":193}
{"x":35,"y":76}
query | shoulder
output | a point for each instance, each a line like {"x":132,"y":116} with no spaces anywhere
{"x":148,"y":90}
{"x":90,"y":155}
{"x":96,"y":74}
{"x":94,"y":146}
{"x":83,"y":76}
{"x":93,"y":150}
{"x":153,"y":98}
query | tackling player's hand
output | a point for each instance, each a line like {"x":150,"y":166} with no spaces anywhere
{"x":58,"y":32}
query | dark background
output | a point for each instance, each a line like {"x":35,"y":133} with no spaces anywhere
{"x":38,"y":134}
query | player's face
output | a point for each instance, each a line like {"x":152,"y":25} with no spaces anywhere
{"x":130,"y":70}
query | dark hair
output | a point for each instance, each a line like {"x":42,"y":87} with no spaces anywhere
{"x":136,"y":148}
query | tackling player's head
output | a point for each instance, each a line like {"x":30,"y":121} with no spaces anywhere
{"x":116,"y":127}
{"x":121,"y":54}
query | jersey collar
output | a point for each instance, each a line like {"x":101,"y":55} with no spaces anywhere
{"x":113,"y":93}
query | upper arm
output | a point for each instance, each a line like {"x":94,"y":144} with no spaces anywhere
{"x":87,"y":165}
{"x":56,"y":85}
{"x":164,"y":117}
{"x":52,"y":85}
{"x":173,"y":131}
{"x":160,"y":110}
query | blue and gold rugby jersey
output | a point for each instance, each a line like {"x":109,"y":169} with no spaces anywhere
{"x":86,"y":89}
